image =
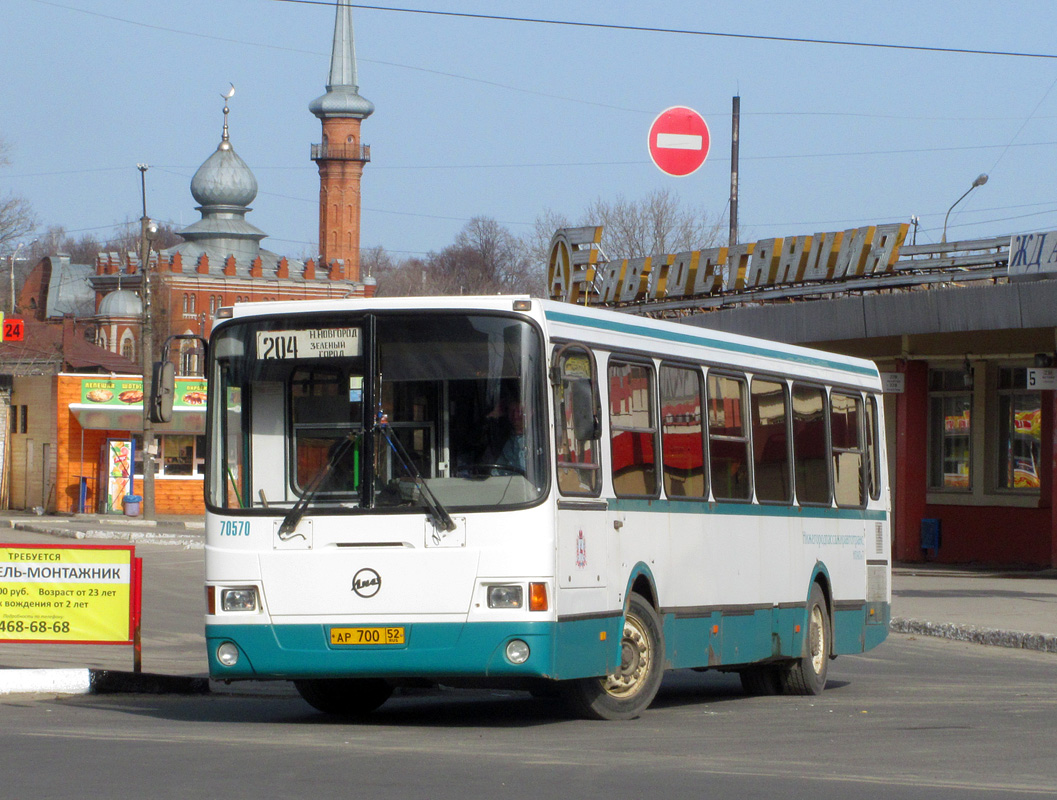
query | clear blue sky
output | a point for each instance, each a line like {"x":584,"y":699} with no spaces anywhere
{"x":505,"y":119}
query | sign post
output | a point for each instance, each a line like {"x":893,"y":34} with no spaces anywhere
{"x":679,"y":141}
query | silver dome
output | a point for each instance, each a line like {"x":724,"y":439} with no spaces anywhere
{"x":224,"y":179}
{"x":121,"y":303}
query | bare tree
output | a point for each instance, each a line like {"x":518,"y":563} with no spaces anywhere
{"x":497,"y":260}
{"x":655,"y":224}
{"x":125,"y":238}
{"x":485,"y":258}
{"x":16,"y":222}
{"x":375,"y":262}
{"x":537,"y":242}
{"x":85,"y":248}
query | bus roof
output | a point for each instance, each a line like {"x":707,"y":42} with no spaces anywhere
{"x":604,"y":328}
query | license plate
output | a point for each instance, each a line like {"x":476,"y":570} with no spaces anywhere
{"x":354,"y":636}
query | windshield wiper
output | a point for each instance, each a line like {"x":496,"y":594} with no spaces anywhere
{"x":293,"y":517}
{"x":440,"y":515}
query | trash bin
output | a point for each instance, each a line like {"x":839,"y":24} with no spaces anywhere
{"x":931,"y":535}
{"x":132,"y":502}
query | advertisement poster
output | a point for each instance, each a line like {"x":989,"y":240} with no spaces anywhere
{"x":67,"y":593}
{"x":118,"y":458}
{"x":190,"y":392}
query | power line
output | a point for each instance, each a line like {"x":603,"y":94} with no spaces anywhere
{"x":550,"y":95}
{"x":171,"y":169}
{"x":684,"y":31}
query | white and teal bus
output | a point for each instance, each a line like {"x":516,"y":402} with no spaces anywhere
{"x":518,"y":492}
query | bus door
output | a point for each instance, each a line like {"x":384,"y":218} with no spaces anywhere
{"x":582,"y":546}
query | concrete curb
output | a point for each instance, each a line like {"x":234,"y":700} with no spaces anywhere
{"x":110,"y":681}
{"x":96,"y":681}
{"x":45,"y":681}
{"x":1041,"y":642}
{"x":186,"y":540}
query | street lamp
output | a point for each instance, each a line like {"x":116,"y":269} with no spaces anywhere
{"x":981,"y":179}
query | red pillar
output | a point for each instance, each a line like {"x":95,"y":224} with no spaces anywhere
{"x":911,"y":478}
{"x":1048,"y":467}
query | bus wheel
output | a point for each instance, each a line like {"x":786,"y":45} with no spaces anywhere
{"x":626,"y":693}
{"x":761,"y":681}
{"x":807,"y":675}
{"x":344,"y":697}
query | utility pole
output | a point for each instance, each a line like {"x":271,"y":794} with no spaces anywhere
{"x":147,"y":230}
{"x":14,"y":256}
{"x":735,"y":132}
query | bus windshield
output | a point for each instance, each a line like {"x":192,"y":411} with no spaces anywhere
{"x":377,"y":412}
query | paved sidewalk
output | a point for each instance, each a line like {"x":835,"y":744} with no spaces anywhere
{"x":1009,"y":608}
{"x":1006,"y":608}
{"x":168,"y":529}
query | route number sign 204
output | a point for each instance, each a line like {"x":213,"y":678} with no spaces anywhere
{"x":312,"y":343}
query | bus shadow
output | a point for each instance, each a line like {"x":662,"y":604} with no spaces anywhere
{"x":441,"y":707}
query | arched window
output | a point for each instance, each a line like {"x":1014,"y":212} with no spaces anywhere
{"x":128,"y":347}
{"x":190,"y":364}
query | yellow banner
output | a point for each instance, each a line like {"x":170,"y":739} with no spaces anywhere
{"x":67,"y":593}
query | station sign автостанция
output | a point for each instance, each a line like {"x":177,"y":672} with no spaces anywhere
{"x":576,"y":266}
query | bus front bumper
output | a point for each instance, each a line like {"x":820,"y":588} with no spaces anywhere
{"x":430,"y":650}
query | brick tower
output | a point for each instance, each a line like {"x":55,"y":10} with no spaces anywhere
{"x":341,"y":155}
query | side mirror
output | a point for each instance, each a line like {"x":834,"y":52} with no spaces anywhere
{"x":163,"y":391}
{"x":585,"y":421}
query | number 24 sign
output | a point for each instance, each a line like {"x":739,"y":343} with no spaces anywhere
{"x":13,"y":330}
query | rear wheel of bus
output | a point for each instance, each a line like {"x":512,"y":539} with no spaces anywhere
{"x":626,"y":693}
{"x":344,"y":697}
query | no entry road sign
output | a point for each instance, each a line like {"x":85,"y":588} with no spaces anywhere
{"x":679,"y":141}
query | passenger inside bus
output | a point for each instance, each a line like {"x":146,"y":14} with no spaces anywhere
{"x":506,"y":448}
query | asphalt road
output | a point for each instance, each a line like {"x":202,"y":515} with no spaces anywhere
{"x":916,"y":718}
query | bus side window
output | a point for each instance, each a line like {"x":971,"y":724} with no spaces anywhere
{"x":728,"y":438}
{"x":576,"y":417}
{"x":770,"y":442}
{"x":873,"y":459}
{"x":848,"y":463}
{"x":682,"y":434}
{"x":809,"y":444}
{"x":633,"y":429}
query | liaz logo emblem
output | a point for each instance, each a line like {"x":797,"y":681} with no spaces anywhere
{"x":366,"y":582}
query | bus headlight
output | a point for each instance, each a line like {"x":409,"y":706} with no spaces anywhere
{"x":241,"y":599}
{"x":228,"y":654}
{"x":505,"y":597}
{"x":517,"y":652}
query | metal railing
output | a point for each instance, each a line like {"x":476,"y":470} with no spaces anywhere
{"x":341,"y":152}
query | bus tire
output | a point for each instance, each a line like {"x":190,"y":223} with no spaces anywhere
{"x":761,"y":681}
{"x":807,"y":675}
{"x":626,"y":693}
{"x":344,"y":697}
